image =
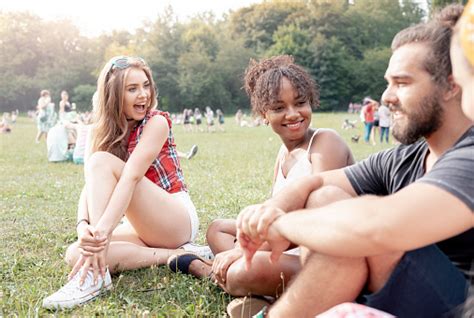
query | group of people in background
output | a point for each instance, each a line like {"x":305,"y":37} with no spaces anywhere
{"x":242,"y":120}
{"x":65,"y":131}
{"x":194,"y":120}
{"x":7,"y":121}
{"x":376,"y":118}
{"x":333,"y":230}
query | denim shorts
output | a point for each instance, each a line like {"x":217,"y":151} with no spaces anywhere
{"x":424,"y":284}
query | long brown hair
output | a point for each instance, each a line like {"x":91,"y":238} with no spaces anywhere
{"x":110,"y":123}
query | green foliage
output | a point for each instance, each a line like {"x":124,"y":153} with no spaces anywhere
{"x":83,"y":97}
{"x":202,"y":61}
{"x":258,"y":22}
{"x":40,"y":55}
{"x":292,"y":40}
{"x":331,"y":67}
{"x":369,"y":72}
{"x":38,"y":204}
{"x":437,"y":4}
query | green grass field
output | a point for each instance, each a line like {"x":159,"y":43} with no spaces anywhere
{"x":38,"y":213}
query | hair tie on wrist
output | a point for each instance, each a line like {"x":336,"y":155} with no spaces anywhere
{"x":82,"y":220}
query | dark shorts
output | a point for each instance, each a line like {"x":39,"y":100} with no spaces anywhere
{"x":424,"y":284}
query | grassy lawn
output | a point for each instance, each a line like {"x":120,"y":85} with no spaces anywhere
{"x":38,"y":213}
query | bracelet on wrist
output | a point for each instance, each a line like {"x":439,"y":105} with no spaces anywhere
{"x":82,"y":220}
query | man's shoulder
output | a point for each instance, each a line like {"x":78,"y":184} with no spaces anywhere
{"x":466,"y":140}
{"x":462,"y":149}
{"x":401,"y":151}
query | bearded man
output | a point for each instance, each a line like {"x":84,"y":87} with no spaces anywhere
{"x":369,"y":229}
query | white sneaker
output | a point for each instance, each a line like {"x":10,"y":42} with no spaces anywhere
{"x":72,"y":294}
{"x":203,"y":251}
{"x":192,"y":152}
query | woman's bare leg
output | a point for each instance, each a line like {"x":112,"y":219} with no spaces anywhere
{"x":221,"y":235}
{"x":263,"y":277}
{"x":127,"y":251}
{"x":159,"y":219}
{"x":158,"y":222}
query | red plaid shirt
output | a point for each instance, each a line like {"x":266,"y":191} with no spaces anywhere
{"x":165,"y":170}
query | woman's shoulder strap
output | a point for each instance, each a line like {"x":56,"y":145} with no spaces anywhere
{"x":312,"y":138}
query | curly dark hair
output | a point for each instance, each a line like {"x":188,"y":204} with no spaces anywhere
{"x":263,"y":82}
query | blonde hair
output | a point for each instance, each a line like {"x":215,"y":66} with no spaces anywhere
{"x":110,"y":123}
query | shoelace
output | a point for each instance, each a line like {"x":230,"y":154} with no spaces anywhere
{"x":202,"y":250}
{"x":73,"y":286}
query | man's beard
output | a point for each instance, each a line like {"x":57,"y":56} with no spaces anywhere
{"x":422,"y":122}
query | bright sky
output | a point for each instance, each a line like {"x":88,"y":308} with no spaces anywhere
{"x":96,"y":16}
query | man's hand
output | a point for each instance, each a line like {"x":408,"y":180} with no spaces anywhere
{"x":254,"y":227}
{"x":254,"y":221}
{"x":278,"y":243}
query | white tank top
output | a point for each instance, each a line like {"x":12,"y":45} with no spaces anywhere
{"x":301,"y":168}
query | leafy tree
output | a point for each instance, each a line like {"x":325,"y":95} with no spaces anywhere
{"x":83,"y":97}
{"x":200,"y":36}
{"x":258,"y":22}
{"x":162,"y":52}
{"x":230,"y":64}
{"x":369,"y":73}
{"x":20,"y":52}
{"x":291,"y":40}
{"x":201,"y":61}
{"x":437,"y":4}
{"x":331,"y":68}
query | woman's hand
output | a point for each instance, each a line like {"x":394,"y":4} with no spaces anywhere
{"x":222,"y":262}
{"x":90,"y":240}
{"x":95,"y":263}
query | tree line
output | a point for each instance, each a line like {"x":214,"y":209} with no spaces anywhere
{"x":345,"y":45}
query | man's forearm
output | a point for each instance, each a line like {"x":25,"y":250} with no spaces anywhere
{"x":340,"y":229}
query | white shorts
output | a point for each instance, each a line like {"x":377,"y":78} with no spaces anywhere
{"x":193,"y":217}
{"x":294,"y":251}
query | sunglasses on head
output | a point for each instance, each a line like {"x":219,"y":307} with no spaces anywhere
{"x":122,"y":62}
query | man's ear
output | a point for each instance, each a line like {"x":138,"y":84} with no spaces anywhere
{"x":453,"y":90}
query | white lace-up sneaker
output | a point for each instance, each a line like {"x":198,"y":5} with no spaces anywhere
{"x":203,"y":251}
{"x":192,"y":152}
{"x":72,"y":294}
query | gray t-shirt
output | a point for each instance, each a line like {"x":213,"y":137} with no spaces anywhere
{"x":389,"y":171}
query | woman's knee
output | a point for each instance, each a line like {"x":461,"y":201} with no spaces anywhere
{"x":214,"y":229}
{"x":239,"y":280}
{"x":72,"y":254}
{"x":99,"y":161}
{"x":325,"y":196}
{"x":220,"y":226}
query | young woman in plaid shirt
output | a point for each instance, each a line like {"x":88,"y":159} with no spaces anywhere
{"x":134,"y":171}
